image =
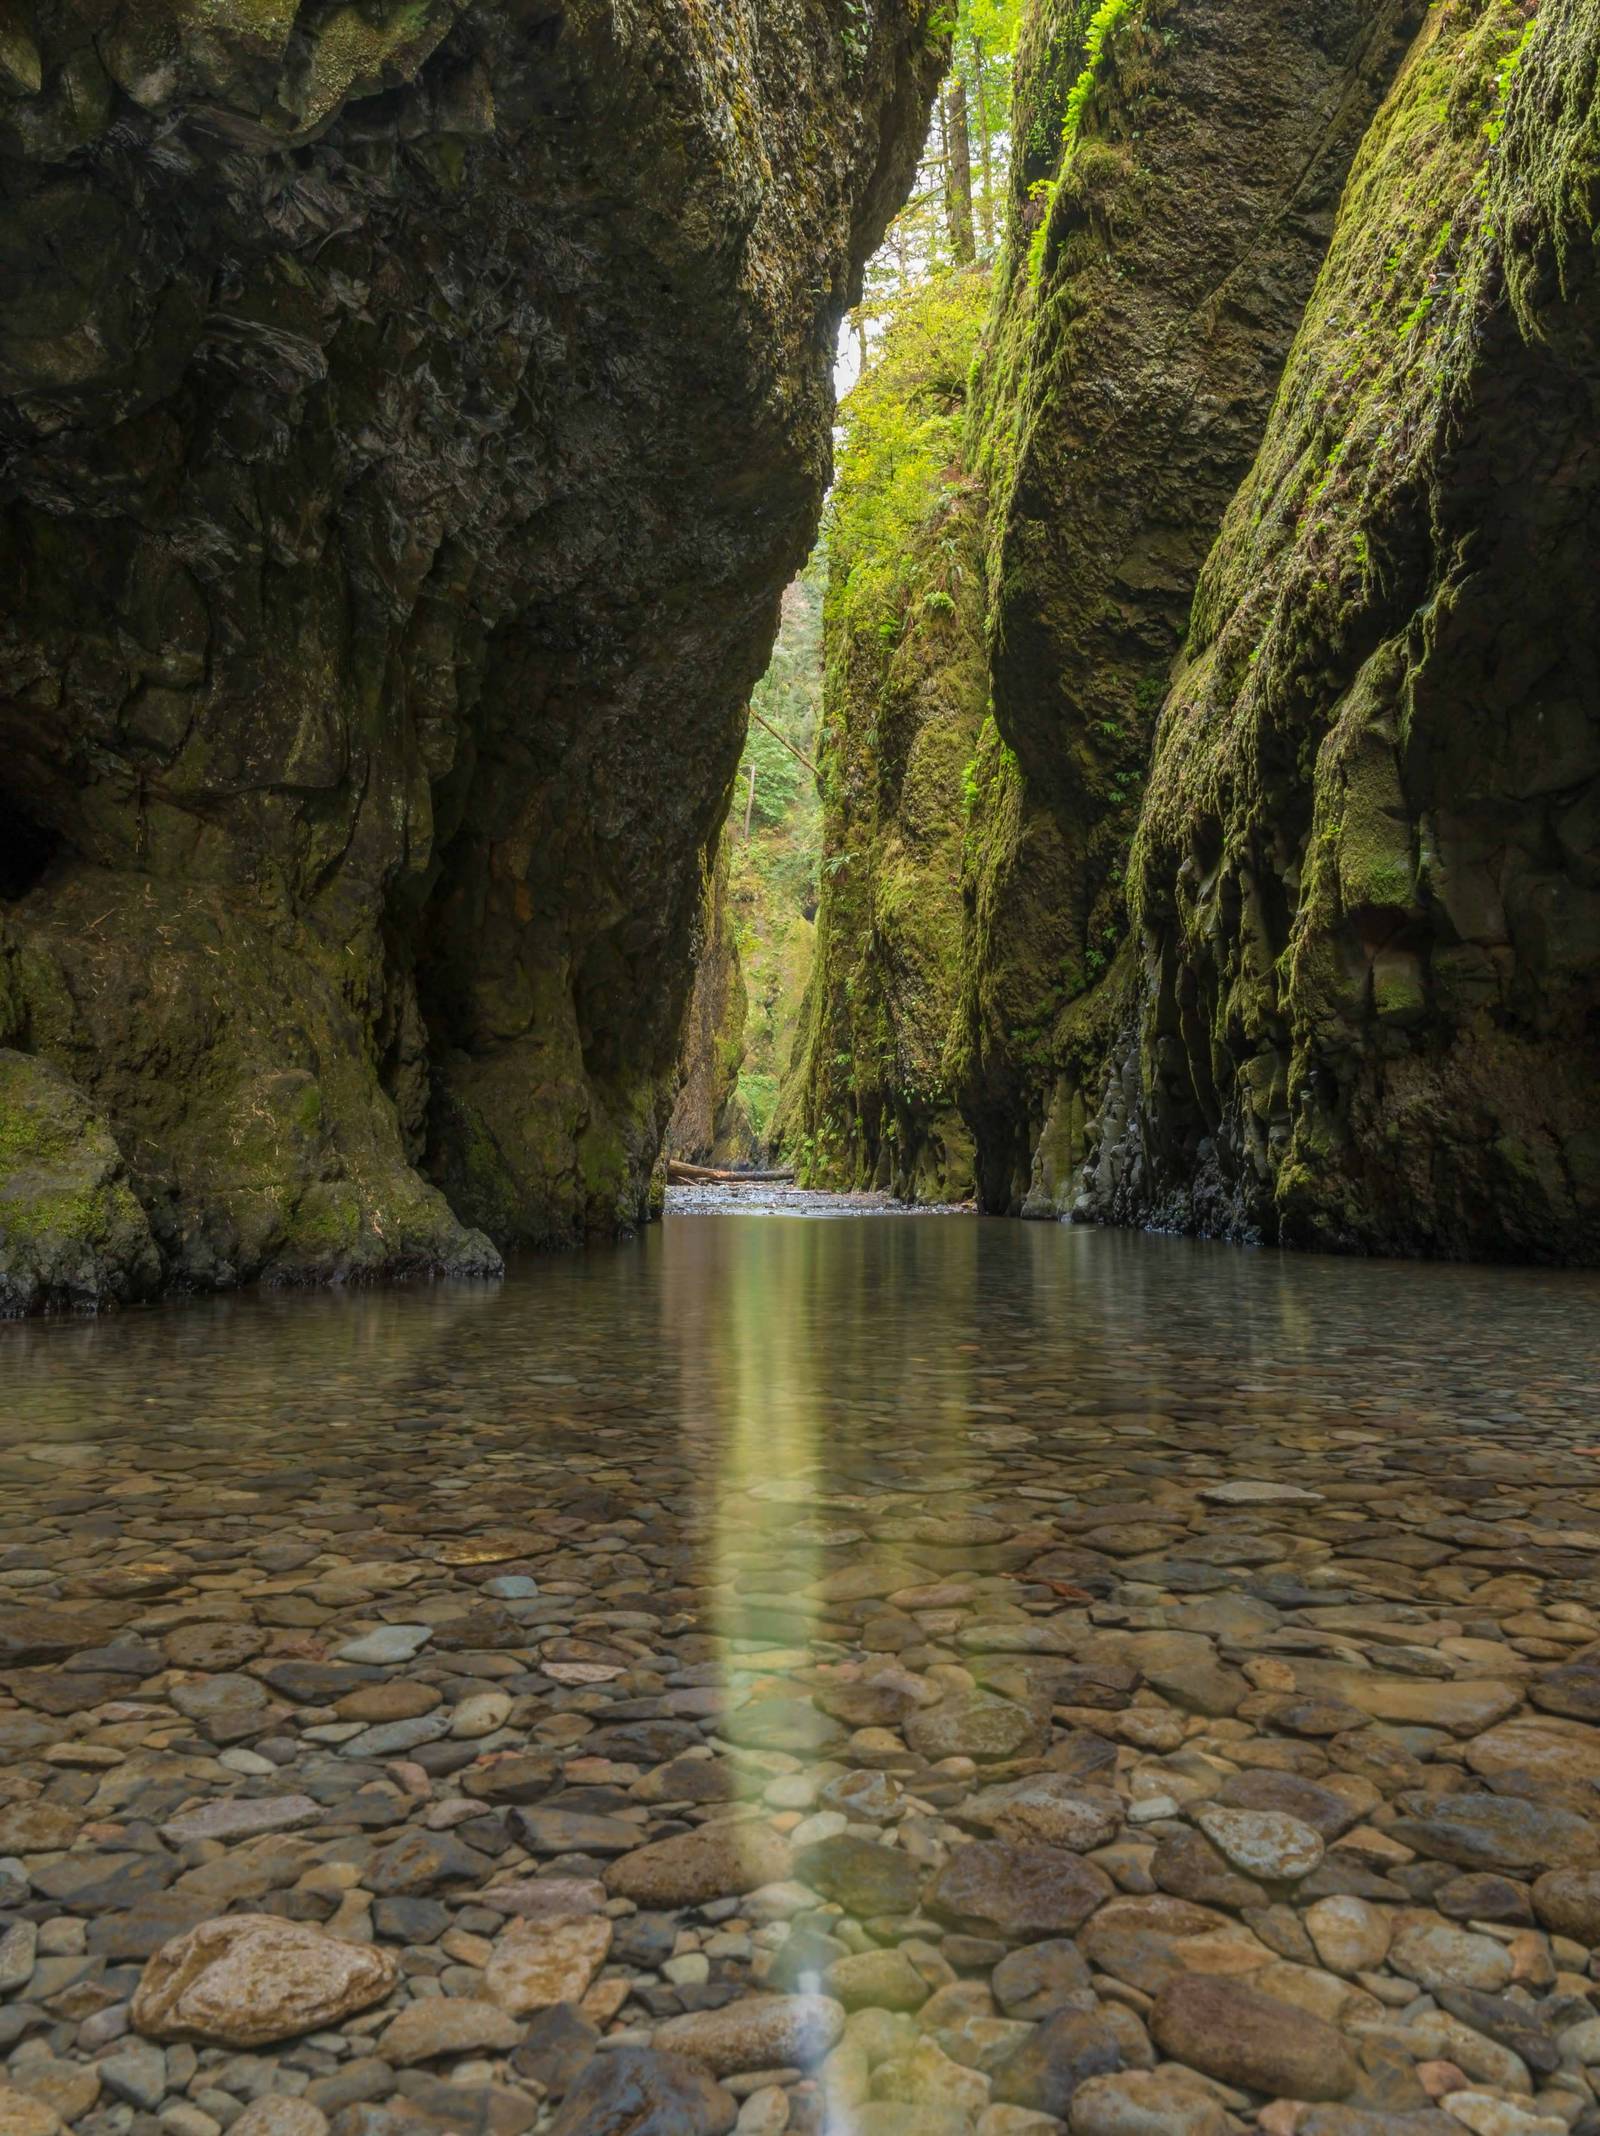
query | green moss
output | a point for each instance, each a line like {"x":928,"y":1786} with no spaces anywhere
{"x":325,"y":1226}
{"x":1399,"y":993}
{"x":1105,"y":20}
{"x":1352,"y":410}
{"x":603,"y":1163}
{"x":72,"y":1231}
{"x":867,"y":1102}
{"x":1322,"y":849}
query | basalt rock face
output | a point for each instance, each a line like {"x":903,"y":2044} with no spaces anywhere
{"x":869,"y":1105}
{"x":1368,"y":867}
{"x":709,"y":1125}
{"x":1282,"y":846}
{"x":1173,"y":192}
{"x":1145,"y":312}
{"x":411,"y":417}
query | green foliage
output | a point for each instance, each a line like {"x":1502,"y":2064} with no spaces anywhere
{"x":1043,"y":194}
{"x":773,"y":878}
{"x":857,"y":32}
{"x":758,"y":1093}
{"x":1495,"y":124}
{"x":789,"y":698}
{"x":899,"y":453}
{"x":866,"y":1100}
{"x":1104,"y":20}
{"x":993,"y":23}
{"x":983,"y":37}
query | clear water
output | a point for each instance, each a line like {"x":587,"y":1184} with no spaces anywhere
{"x":829,"y":1347}
{"x":718,"y":1447}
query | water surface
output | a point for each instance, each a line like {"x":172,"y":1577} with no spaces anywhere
{"x":795,"y":1541}
{"x":914,"y":1329}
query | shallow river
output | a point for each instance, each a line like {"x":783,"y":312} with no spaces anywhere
{"x":937,"y":1676}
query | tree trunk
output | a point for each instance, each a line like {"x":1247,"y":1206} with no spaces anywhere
{"x":750,"y":802}
{"x":680,"y":1174}
{"x":958,"y":172}
{"x":985,"y":147}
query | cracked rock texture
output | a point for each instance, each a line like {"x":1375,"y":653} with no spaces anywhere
{"x":409,"y":417}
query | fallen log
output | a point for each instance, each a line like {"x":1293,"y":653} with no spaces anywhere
{"x":705,"y":1175}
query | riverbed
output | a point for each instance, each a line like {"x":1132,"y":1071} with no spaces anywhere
{"x":909,"y":1676}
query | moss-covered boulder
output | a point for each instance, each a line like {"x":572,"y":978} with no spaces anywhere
{"x":72,"y":1233}
{"x":413,"y":414}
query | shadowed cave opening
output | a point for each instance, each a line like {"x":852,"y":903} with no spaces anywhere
{"x":27,"y":848}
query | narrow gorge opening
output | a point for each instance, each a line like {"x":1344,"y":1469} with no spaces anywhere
{"x":403,"y":495}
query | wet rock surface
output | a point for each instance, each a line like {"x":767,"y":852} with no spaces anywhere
{"x":412,"y":415}
{"x":473,"y":1714}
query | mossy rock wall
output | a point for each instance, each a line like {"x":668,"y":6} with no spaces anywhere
{"x":412,"y":417}
{"x":1368,"y":868}
{"x":708,"y":1124}
{"x":71,"y":1229}
{"x":1281,"y":830}
{"x":868,"y":1103}
{"x":1168,"y":220}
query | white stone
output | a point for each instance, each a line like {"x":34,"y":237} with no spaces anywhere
{"x":825,"y":1824}
{"x":1436,"y":1954}
{"x":1350,"y":1935}
{"x":18,"y":1947}
{"x":757,"y":2032}
{"x":278,"y":2115}
{"x":1265,"y":1843}
{"x":480,"y":1715}
{"x":539,"y":1963}
{"x":765,"y":2112}
{"x":389,"y":1643}
{"x":246,"y":1980}
{"x":241,"y":1819}
{"x":692,"y":1970}
{"x":1487,"y":2115}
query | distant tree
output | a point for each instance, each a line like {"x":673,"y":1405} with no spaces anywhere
{"x":986,"y":36}
{"x":957,"y":133}
{"x":789,"y":698}
{"x":953,"y":215}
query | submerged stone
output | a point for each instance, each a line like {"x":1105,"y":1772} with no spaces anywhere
{"x":249,"y":1979}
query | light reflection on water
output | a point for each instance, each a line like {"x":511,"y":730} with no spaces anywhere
{"x":798,"y":1343}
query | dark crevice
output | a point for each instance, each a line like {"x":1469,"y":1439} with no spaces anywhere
{"x":27,"y":848}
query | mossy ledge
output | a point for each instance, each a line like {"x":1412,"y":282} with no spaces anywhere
{"x":412,"y":416}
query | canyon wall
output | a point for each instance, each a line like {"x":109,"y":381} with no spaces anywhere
{"x":409,"y":418}
{"x":869,"y":1103}
{"x":1280,"y":830}
{"x":708,"y":1123}
{"x":1367,"y":872}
